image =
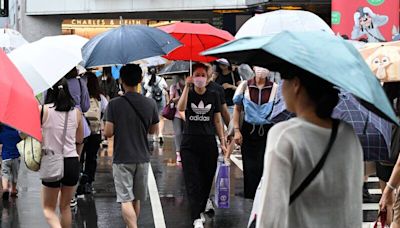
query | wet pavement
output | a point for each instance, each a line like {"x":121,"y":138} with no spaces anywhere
{"x":101,"y":210}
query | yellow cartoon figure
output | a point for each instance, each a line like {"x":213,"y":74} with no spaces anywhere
{"x":385,"y":63}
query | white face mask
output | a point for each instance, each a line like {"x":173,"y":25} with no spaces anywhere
{"x":261,"y":72}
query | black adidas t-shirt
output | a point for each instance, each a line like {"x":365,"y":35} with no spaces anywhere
{"x":200,"y":110}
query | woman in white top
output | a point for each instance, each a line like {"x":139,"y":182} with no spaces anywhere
{"x":294,"y":147}
{"x":58,"y":102}
{"x":156,"y":87}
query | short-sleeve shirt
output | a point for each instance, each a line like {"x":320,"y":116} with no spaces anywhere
{"x":9,"y":137}
{"x":222,"y":79}
{"x":215,"y":87}
{"x":200,"y":110}
{"x":130,"y":133}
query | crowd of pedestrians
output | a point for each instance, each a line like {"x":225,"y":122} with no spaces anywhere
{"x":218,"y":110}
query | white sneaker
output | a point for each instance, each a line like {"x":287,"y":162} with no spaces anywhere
{"x":198,"y":223}
{"x":209,"y":207}
{"x":203,"y":217}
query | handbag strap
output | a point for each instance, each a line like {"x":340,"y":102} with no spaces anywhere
{"x":307,"y":181}
{"x":381,"y":218}
{"x":64,"y":137}
{"x":136,"y":111}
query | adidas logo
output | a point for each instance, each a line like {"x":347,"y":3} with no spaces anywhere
{"x":200,"y":109}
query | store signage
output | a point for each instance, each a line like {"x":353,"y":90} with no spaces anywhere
{"x":103,"y":22}
{"x":374,"y":20}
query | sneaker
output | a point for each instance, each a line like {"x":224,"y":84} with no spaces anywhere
{"x":203,"y":217}
{"x":73,"y":203}
{"x":6,"y":195}
{"x":198,"y":223}
{"x":178,"y":157}
{"x":104,"y":144}
{"x":88,"y":189}
{"x":209,"y":207}
{"x":161,"y":140}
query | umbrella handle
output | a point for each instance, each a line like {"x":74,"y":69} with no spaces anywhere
{"x":190,"y":67}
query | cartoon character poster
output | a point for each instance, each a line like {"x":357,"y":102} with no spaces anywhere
{"x":373,"y":20}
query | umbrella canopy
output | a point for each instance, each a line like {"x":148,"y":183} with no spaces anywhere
{"x":126,"y":44}
{"x":19,"y":108}
{"x":279,"y":112}
{"x":11,"y":39}
{"x":326,"y":56}
{"x":195,"y":39}
{"x":282,"y":20}
{"x":176,"y":67}
{"x":152,"y":61}
{"x":44,"y":62}
{"x":383,"y":59}
{"x":375,"y":133}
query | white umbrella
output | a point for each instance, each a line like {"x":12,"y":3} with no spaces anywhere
{"x":280,"y":20}
{"x":44,"y":62}
{"x":11,"y":39}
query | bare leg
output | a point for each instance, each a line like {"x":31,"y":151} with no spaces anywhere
{"x":4,"y":182}
{"x":129,"y":214}
{"x":65,"y":199}
{"x":13,"y":187}
{"x":136,"y":206}
{"x":160,"y":127}
{"x":49,"y":204}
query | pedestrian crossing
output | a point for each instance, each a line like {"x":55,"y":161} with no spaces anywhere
{"x":370,"y":210}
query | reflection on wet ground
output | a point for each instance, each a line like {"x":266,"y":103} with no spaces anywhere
{"x":101,"y":210}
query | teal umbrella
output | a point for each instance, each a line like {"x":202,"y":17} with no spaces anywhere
{"x":317,"y":52}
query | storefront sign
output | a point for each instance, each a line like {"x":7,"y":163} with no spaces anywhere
{"x":374,"y":20}
{"x":102,"y":22}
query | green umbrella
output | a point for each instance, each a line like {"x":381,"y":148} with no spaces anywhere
{"x":320,"y":53}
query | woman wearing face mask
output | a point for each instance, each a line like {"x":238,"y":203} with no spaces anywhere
{"x":199,"y":150}
{"x":175,"y":93}
{"x":255,"y":99}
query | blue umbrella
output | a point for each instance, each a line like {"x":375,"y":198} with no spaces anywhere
{"x":374,"y":132}
{"x":126,"y":44}
{"x":326,"y":56}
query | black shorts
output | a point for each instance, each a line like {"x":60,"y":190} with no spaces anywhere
{"x":71,"y":174}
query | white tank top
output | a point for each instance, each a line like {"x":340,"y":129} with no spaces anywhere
{"x":52,"y":130}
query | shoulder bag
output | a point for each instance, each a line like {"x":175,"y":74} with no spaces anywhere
{"x":52,"y":167}
{"x":31,"y":150}
{"x":140,"y":117}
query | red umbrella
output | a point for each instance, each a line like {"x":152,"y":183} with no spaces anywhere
{"x":195,"y":38}
{"x":18,"y":106}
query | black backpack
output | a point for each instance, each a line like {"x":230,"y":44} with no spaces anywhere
{"x":157,"y":92}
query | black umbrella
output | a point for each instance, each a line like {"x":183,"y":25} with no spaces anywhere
{"x":176,"y":67}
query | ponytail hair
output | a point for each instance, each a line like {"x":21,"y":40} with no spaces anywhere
{"x":61,"y":97}
{"x":323,"y":93}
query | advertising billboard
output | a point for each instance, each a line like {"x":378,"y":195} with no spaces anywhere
{"x":374,"y":20}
